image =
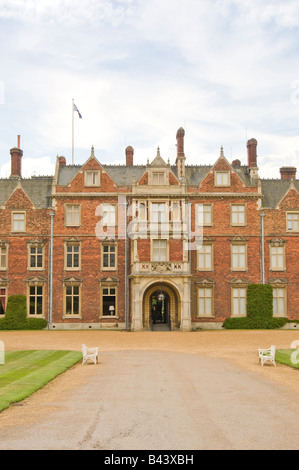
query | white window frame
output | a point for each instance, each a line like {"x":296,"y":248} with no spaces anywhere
{"x":292,"y":218}
{"x":222,"y":179}
{"x":72,"y":215}
{"x":92,"y":178}
{"x":236,"y":292}
{"x":18,"y":224}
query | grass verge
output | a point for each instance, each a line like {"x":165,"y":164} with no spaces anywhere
{"x":288,"y":357}
{"x":25,"y":372}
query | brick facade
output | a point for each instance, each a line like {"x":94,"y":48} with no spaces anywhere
{"x":132,"y":244}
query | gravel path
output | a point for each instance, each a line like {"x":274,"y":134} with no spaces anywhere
{"x":157,"y":391}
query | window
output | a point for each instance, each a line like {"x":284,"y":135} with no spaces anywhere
{"x":205,"y":255}
{"x":108,"y":215}
{"x":239,"y":257}
{"x":158,"y":212}
{"x":293,"y":221}
{"x":205,"y":301}
{"x":73,"y":258}
{"x":2,"y":300}
{"x":159,"y":250}
{"x":222,"y":178}
{"x":72,"y":215}
{"x":142,"y":212}
{"x":203,"y":215}
{"x":35,"y":300}
{"x":158,"y":178}
{"x":18,"y":222}
{"x":3,"y":257}
{"x":238,"y":214}
{"x":108,"y":256}
{"x":175,"y":212}
{"x":109,"y":301}
{"x":277,"y":258}
{"x":72,"y":299}
{"x":279,"y":301}
{"x":36,"y":256}
{"x":239,"y":301}
{"x":92,"y":178}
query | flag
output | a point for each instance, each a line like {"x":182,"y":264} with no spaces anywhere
{"x":76,"y":109}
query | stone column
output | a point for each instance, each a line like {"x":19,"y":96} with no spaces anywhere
{"x":186,"y":306}
{"x":137,"y":307}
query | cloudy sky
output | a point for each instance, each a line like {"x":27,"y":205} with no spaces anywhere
{"x":225,"y":70}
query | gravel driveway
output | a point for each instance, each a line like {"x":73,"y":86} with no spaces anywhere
{"x":157,"y":399}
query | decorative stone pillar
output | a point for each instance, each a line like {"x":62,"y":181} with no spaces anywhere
{"x":186,"y":306}
{"x":137,"y":307}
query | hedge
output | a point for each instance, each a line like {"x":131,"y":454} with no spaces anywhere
{"x":16,"y":316}
{"x":259,"y":310}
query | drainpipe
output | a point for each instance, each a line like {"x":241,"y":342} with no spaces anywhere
{"x":51,"y":273}
{"x":126,"y":269}
{"x":262,"y":248}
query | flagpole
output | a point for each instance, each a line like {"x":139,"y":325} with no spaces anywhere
{"x":72,"y":131}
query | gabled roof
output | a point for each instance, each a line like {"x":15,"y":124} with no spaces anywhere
{"x":274,"y":190}
{"x":37,"y":188}
{"x":158,"y":161}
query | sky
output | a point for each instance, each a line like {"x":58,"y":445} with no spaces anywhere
{"x":224,"y":70}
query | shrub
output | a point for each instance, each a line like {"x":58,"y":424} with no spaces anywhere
{"x":16,"y":316}
{"x":253,"y":323}
{"x":259,"y":309}
{"x":259,"y":301}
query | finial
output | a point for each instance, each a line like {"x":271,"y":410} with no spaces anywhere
{"x":92,"y":151}
{"x":158,"y":152}
{"x":221,"y":152}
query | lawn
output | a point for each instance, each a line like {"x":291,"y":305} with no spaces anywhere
{"x":24,"y":372}
{"x":284,"y":356}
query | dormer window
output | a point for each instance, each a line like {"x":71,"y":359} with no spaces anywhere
{"x":92,"y":178}
{"x":158,"y":178}
{"x":222,"y":178}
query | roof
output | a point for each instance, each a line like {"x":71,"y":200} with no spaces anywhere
{"x":37,"y":188}
{"x":273,"y":191}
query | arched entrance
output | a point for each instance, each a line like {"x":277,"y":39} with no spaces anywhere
{"x":161,"y":306}
{"x":159,"y":309}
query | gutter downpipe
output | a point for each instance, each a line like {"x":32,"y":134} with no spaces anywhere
{"x":262,"y":247}
{"x":51,"y":273}
{"x":126,"y":269}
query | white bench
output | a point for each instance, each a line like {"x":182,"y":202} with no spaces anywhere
{"x":90,"y":353}
{"x":267,"y":355}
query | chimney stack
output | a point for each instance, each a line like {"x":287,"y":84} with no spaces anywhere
{"x":251,"y":151}
{"x":129,"y":156}
{"x":16,"y":160}
{"x":62,"y":161}
{"x":180,"y":160}
{"x":288,"y":173}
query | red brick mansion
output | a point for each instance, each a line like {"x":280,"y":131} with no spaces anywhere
{"x":134,"y":246}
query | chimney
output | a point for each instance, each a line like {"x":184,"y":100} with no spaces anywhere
{"x":236,"y":163}
{"x":16,"y":160}
{"x":62,"y":161}
{"x":288,"y":173}
{"x":180,"y":160}
{"x":129,"y":156}
{"x":180,"y":142}
{"x":251,"y":151}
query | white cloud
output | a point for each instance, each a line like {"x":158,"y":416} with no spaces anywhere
{"x":140,"y":69}
{"x":31,"y":167}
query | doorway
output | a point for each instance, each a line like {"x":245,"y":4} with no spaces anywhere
{"x":160,"y":311}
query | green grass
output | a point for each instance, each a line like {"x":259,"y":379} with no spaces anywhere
{"x":25,"y":372}
{"x":283,"y":356}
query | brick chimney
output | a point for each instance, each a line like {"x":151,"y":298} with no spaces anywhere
{"x":288,"y":173}
{"x":62,"y":161}
{"x":180,"y":159}
{"x":16,"y":161}
{"x":251,"y":152}
{"x":129,"y":155}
